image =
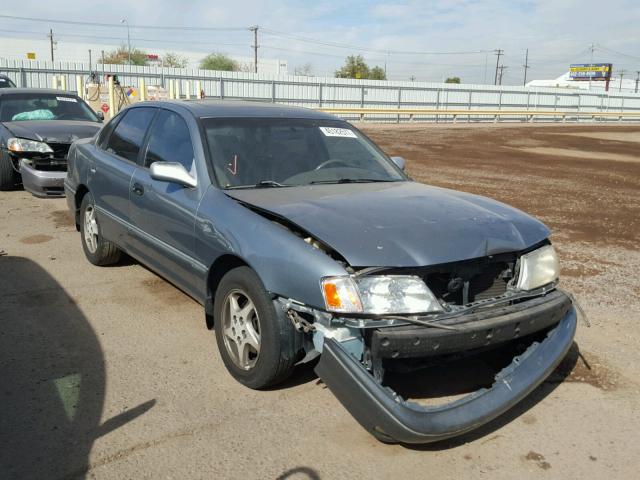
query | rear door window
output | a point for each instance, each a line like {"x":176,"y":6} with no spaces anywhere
{"x":127,"y":138}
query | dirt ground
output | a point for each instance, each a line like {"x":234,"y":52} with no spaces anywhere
{"x":110,"y":373}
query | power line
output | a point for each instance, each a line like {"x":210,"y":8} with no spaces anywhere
{"x":275,"y":33}
{"x":615,"y":52}
{"x":133,"y":39}
{"x":117,"y":25}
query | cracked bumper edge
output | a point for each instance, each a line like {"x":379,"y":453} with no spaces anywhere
{"x":42,"y":183}
{"x":391,"y":419}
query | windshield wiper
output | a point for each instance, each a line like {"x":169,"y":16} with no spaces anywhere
{"x":261,"y":184}
{"x":352,"y":180}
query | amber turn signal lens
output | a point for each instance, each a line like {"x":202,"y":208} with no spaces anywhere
{"x":331,"y":296}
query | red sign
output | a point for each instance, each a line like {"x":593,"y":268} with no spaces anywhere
{"x":152,"y":56}
{"x":104,"y":108}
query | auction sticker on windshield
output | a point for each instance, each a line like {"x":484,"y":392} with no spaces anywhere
{"x":338,"y":132}
{"x":66,"y":99}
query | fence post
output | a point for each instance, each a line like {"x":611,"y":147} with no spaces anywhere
{"x":23,"y":78}
{"x":437,"y":104}
{"x":143,"y":89}
{"x":320,"y":95}
{"x":79,"y":89}
{"x":112,"y":103}
{"x":176,"y":89}
{"x":399,"y":101}
{"x":273,"y":91}
{"x":362,"y":96}
{"x":221,"y":87}
{"x":469,"y":107}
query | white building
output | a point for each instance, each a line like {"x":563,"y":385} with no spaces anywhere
{"x":626,"y":84}
{"x":12,"y":48}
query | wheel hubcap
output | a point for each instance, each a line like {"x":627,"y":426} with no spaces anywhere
{"x":241,"y":329}
{"x":91,"y":229}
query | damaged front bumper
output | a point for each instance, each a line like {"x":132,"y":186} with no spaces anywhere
{"x":392,"y":419}
{"x":42,"y":183}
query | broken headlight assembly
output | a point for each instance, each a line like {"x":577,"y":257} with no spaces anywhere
{"x":378,"y":294}
{"x":19,"y":145}
{"x":538,"y":268}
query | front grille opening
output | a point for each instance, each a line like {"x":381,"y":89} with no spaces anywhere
{"x":471,"y":281}
{"x":60,"y":150}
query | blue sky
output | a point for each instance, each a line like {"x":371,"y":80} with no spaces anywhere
{"x":556,"y":32}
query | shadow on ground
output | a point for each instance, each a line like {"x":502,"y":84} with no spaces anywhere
{"x":52,"y":376}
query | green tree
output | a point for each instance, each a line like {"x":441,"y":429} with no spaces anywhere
{"x":219,"y":61}
{"x":174,"y":60}
{"x":354,"y":67}
{"x":377,"y":73}
{"x":452,"y":80}
{"x":120,"y":56}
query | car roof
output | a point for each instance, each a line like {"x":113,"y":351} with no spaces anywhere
{"x":239,"y":108}
{"x":49,"y":91}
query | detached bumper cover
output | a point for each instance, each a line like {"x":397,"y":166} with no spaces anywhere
{"x":390,"y":418}
{"x":42,"y":183}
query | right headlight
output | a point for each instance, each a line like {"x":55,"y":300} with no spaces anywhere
{"x":379,"y":294}
{"x":538,"y":268}
{"x":19,"y":145}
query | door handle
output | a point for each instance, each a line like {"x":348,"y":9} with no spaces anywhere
{"x":138,"y":189}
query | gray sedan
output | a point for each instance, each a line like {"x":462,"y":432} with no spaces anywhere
{"x":302,"y":239}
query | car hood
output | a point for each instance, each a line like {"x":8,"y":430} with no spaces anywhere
{"x":54,"y":131}
{"x":400,"y":224}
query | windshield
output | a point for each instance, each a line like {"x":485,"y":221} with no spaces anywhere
{"x":48,"y":106}
{"x":250,"y":152}
{"x":5,"y":82}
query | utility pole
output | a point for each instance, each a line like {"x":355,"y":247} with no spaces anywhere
{"x":124,"y":20}
{"x":499,"y":53}
{"x":526,"y":66}
{"x":622,"y":72}
{"x":385,"y":64}
{"x":637,"y":80}
{"x":502,"y":69}
{"x":51,"y":42}
{"x":412,"y":78}
{"x":254,"y":29}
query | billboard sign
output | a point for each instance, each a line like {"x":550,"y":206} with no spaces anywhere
{"x":590,"y":71}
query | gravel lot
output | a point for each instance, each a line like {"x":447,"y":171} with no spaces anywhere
{"x":110,"y":372}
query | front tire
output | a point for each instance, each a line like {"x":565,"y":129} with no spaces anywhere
{"x":9,"y":178}
{"x":97,"y":250}
{"x":258,"y":346}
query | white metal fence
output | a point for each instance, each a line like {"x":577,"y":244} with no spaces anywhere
{"x":327,"y":92}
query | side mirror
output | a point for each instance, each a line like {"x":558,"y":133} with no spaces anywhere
{"x":100,"y":115}
{"x":399,"y":161}
{"x":172,"y":172}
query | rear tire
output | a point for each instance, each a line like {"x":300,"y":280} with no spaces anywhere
{"x":9,"y":178}
{"x":253,"y":321}
{"x":98,"y":251}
